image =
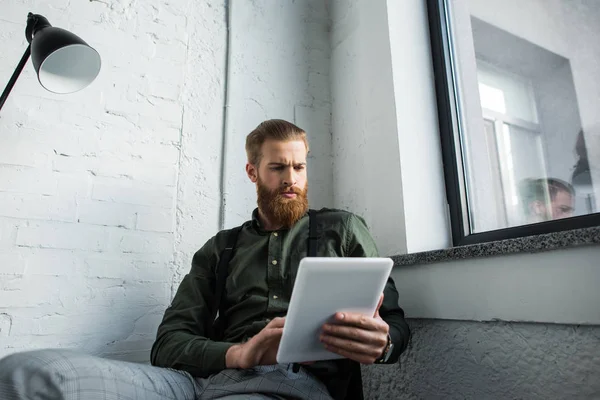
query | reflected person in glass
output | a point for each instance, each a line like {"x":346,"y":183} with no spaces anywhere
{"x":546,"y":199}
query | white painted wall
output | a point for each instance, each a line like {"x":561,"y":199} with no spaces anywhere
{"x":558,"y":286}
{"x":366,"y":152}
{"x":281,"y":70}
{"x":106,"y":194}
{"x":387,"y":163}
{"x":423,"y":187}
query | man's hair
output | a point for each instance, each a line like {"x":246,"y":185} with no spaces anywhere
{"x":542,"y":189}
{"x":275,"y":129}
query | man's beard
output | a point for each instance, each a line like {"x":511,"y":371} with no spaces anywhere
{"x":279,"y":210}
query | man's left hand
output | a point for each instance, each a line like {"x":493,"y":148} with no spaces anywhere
{"x":357,"y":336}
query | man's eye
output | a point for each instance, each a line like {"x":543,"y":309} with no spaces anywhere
{"x":299,"y":167}
{"x":276,"y":168}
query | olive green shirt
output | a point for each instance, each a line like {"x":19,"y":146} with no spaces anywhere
{"x":259,"y":284}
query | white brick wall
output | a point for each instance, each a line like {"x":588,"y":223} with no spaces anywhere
{"x":88,"y":181}
{"x":105,"y":194}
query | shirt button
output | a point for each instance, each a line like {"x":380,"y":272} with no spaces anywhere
{"x":275,"y":297}
{"x":275,"y":234}
{"x":274,"y":262}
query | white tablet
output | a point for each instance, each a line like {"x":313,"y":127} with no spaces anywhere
{"x":323,"y":287}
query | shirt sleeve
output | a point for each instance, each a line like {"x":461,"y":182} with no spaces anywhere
{"x":360,"y":243}
{"x":182,"y":340}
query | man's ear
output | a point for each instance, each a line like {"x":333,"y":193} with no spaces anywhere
{"x":252,"y":172}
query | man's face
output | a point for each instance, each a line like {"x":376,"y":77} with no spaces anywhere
{"x":281,"y":182}
{"x":562,"y":205}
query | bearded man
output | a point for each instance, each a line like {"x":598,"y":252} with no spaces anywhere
{"x":246,"y":275}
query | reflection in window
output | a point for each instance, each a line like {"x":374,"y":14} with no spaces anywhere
{"x":531,"y":119}
{"x":518,"y":94}
{"x":514,"y":143}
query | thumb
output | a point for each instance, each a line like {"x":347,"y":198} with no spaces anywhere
{"x":378,"y":306}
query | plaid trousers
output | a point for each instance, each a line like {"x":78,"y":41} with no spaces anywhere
{"x":69,"y":375}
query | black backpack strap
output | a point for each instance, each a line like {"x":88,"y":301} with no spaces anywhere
{"x":312,"y":233}
{"x":222,"y":269}
{"x":312,"y":251}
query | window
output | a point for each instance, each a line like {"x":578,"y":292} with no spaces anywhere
{"x":518,"y":90}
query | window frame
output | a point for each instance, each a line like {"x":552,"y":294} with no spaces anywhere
{"x":450,"y":126}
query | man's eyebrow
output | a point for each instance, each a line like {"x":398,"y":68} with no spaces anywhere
{"x":283,"y":163}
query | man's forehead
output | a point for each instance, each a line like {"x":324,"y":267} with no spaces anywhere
{"x":284,"y":152}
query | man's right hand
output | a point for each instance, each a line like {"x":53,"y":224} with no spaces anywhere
{"x":261,"y":349}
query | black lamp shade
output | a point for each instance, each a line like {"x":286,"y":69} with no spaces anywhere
{"x":64,"y":63}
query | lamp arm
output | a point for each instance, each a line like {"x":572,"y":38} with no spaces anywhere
{"x":15,"y":75}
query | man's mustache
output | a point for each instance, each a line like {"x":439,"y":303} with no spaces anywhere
{"x":294,"y":190}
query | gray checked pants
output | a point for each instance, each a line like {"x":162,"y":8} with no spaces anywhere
{"x":68,"y":375}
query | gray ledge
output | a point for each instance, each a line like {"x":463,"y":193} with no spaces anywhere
{"x":527,"y":244}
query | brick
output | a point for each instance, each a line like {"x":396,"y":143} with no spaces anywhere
{"x":27,"y":180}
{"x":105,"y":213}
{"x":26,"y":342}
{"x":76,"y":322}
{"x":8,"y":233}
{"x":34,"y":323}
{"x":127,"y":269}
{"x":165,"y":26}
{"x":114,"y":253}
{"x":63,"y":163}
{"x":107,"y":267}
{"x":127,"y":192}
{"x":62,"y":236}
{"x":145,"y":242}
{"x":24,"y":152}
{"x":105,"y":295}
{"x":35,"y":206}
{"x":11,"y":263}
{"x":156,"y":220}
{"x":171,"y":50}
{"x":139,"y":170}
{"x":165,"y":154}
{"x":75,"y":185}
{"x":166,"y":110}
{"x":52,"y":324}
{"x":53,"y":262}
{"x":31,"y":291}
{"x":143,"y":343}
{"x":157,"y":131}
{"x":153,"y":272}
{"x":164,"y":90}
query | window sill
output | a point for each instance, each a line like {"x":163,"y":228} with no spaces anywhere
{"x":550,"y":278}
{"x":528,"y":244}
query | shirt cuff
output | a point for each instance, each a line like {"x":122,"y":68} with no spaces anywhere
{"x":215,"y":354}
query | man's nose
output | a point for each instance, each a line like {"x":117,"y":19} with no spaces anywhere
{"x":289,"y":177}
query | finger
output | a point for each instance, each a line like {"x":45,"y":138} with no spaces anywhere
{"x":360,"y":321}
{"x":352,"y":346}
{"x":376,"y":315}
{"x":377,"y":338}
{"x":276,"y":323}
{"x":363,"y":358}
{"x":270,"y":334}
